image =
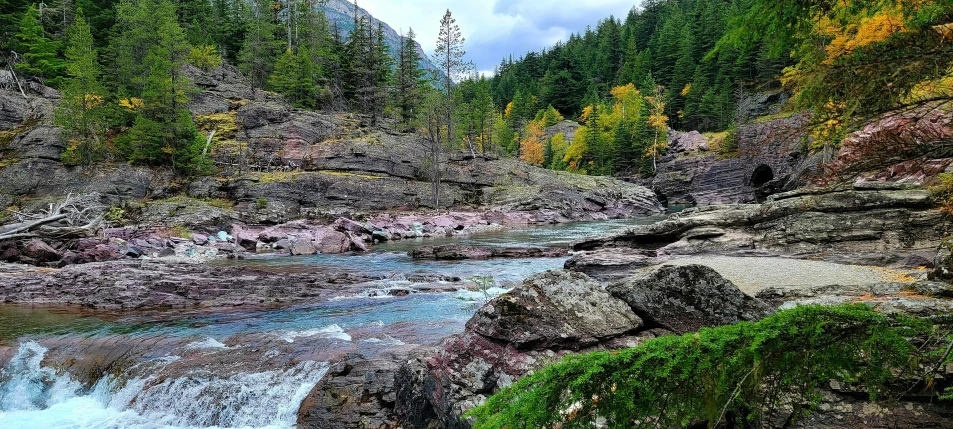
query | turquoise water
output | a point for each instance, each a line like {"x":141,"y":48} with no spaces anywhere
{"x":243,"y":368}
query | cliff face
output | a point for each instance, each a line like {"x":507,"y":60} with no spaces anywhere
{"x":768,"y":160}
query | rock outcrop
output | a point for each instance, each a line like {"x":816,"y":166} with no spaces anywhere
{"x":870,"y":224}
{"x":768,"y":160}
{"x":142,"y":285}
{"x":687,"y":298}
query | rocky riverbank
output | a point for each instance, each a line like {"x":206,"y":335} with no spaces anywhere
{"x":558,"y":313}
{"x":869,"y":224}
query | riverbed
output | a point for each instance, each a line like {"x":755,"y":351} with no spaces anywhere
{"x":246,"y":367}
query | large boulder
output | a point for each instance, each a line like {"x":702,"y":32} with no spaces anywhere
{"x":548,"y":316}
{"x":687,"y":298}
{"x":557,"y":309}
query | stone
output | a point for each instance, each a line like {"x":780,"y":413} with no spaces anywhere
{"x":612,"y":263}
{"x":41,"y":251}
{"x":348,"y":225}
{"x":302,"y":247}
{"x":356,"y":393}
{"x":200,"y":239}
{"x":943,"y":262}
{"x":554,"y":309}
{"x":687,"y":298}
{"x":855,"y":226}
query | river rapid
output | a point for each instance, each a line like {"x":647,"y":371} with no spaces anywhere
{"x":244,"y":367}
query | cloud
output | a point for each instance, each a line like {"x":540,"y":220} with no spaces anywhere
{"x":496,"y":29}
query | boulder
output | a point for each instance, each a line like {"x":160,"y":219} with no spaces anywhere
{"x":612,"y":264}
{"x":302,"y":247}
{"x":943,"y":262}
{"x":687,"y":298}
{"x":329,"y":241}
{"x":356,"y":393}
{"x":41,"y":251}
{"x":556,"y":309}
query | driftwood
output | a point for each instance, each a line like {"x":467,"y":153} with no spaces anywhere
{"x":73,"y":217}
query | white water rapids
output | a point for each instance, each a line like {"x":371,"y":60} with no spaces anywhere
{"x":34,"y":396}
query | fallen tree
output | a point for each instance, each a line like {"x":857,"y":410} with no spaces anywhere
{"x":76,"y":216}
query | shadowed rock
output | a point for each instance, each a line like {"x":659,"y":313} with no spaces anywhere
{"x":687,"y":298}
{"x":453,"y":252}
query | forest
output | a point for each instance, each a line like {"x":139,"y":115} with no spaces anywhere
{"x":669,"y":64}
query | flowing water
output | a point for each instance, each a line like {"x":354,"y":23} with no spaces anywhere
{"x":243,"y":368}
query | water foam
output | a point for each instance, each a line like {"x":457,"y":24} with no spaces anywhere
{"x":33,"y":396}
{"x":332,"y":331}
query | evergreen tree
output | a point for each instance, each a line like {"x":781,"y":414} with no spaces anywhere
{"x":163,"y":132}
{"x":82,"y":112}
{"x":409,"y":78}
{"x":134,"y":35}
{"x":293,"y":78}
{"x":382,"y":65}
{"x":40,"y":55}
{"x":262,"y":45}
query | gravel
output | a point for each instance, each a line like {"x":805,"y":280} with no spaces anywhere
{"x":752,"y":274}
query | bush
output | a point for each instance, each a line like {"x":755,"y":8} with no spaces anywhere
{"x":736,"y":373}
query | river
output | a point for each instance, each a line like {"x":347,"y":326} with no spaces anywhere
{"x":243,"y":367}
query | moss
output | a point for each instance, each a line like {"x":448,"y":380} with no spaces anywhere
{"x":226,"y":129}
{"x":730,"y":375}
{"x":6,"y":162}
{"x":347,"y":174}
{"x":278,"y":176}
{"x":772,"y":117}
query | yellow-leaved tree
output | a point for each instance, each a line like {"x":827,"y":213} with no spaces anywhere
{"x":531,"y":147}
{"x":659,"y":122}
{"x":577,"y":150}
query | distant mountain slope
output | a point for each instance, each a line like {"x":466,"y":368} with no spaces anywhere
{"x":341,"y":13}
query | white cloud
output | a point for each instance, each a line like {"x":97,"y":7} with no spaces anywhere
{"x":495,"y":29}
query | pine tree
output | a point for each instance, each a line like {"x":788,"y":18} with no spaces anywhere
{"x":409,"y":78}
{"x":293,"y":78}
{"x":134,"y":35}
{"x":449,"y":55}
{"x":82,"y":112}
{"x":262,"y":44}
{"x":163,"y":132}
{"x":381,"y":71}
{"x":41,"y":55}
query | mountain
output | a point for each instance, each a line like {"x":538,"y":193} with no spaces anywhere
{"x":341,"y":14}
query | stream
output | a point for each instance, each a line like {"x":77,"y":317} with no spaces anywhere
{"x":244,"y":367}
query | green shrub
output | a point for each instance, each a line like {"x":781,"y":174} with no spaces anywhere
{"x":736,"y":373}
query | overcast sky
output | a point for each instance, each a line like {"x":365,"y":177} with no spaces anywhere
{"x":495,"y":29}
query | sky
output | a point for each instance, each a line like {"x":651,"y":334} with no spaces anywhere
{"x":494,"y":29}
